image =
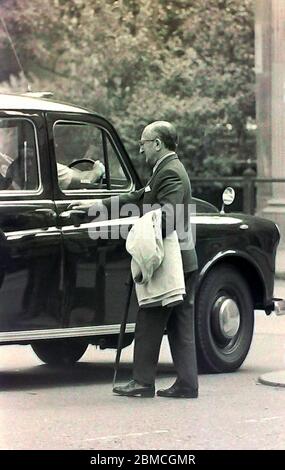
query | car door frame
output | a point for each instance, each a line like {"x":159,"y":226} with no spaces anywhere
{"x":43,"y":227}
{"x":64,"y":198}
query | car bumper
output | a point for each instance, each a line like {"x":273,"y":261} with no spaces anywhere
{"x":279,"y":306}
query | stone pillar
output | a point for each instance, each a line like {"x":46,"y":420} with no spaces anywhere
{"x":263,"y":98}
{"x":272,"y":126}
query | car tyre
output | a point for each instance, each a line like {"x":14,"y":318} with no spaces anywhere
{"x":224,"y":320}
{"x":60,"y":352}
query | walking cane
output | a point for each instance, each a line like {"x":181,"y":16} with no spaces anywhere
{"x":129,"y":283}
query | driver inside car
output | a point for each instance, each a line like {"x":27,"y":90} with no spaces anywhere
{"x":72,"y":178}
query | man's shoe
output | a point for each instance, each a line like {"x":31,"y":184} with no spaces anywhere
{"x":178,"y":391}
{"x":134,"y":389}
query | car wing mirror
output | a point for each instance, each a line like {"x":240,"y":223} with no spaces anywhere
{"x":228,"y":198}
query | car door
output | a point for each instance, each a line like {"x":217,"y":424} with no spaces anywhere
{"x":96,"y":269}
{"x":30,"y":242}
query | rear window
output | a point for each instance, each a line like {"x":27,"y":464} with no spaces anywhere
{"x":18,"y":156}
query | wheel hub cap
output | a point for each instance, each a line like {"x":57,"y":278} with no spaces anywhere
{"x":227,"y":313}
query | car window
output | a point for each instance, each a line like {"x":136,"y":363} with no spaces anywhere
{"x":18,"y":155}
{"x":86,"y":158}
{"x":118,"y":177}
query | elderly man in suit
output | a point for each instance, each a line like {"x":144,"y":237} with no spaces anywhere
{"x":169,"y":187}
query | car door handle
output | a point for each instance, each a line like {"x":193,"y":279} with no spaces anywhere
{"x":48,"y":216}
{"x":70,"y":213}
{"x":75,"y":216}
{"x":46,"y":211}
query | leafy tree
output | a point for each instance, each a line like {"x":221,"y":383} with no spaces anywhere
{"x":187,"y":61}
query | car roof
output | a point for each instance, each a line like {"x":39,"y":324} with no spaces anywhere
{"x":26,"y":102}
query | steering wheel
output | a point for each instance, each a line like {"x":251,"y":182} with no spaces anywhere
{"x":87,"y":160}
{"x":81,"y":160}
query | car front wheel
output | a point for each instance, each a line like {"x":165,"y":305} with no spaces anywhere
{"x":60,"y":352}
{"x":224,"y":320}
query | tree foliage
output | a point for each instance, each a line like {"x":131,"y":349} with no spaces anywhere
{"x":135,"y":61}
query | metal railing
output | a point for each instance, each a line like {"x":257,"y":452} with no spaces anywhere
{"x":247,"y":183}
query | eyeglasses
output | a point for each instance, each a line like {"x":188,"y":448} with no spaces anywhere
{"x":141,"y":142}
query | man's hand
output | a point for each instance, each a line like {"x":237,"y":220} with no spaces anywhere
{"x":80,"y":205}
{"x":92,"y":176}
{"x":97,"y":172}
{"x":86,"y":205}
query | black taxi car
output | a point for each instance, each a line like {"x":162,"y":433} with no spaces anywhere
{"x":62,"y":290}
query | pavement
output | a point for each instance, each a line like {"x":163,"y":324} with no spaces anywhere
{"x":277,"y":378}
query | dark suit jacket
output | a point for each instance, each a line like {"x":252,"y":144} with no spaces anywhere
{"x":170,"y":188}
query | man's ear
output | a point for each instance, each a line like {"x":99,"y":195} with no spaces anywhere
{"x":158,"y":143}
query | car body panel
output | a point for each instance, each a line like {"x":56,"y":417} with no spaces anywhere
{"x":235,"y":237}
{"x":27,"y":103}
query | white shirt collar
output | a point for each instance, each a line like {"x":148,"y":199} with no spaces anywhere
{"x":161,"y":160}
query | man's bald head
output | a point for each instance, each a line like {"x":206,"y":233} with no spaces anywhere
{"x":166,"y":132}
{"x":157,"y":139}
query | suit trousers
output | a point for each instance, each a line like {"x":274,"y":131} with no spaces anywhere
{"x":179,"y":322}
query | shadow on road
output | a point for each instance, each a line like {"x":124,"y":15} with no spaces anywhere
{"x":81,"y":373}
